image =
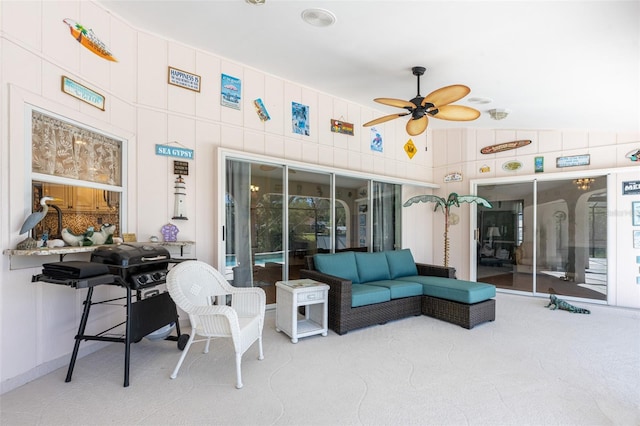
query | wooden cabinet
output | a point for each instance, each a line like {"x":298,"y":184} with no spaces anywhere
{"x":62,"y":193}
{"x":79,"y":199}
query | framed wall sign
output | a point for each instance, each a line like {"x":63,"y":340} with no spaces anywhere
{"x":631,"y":187}
{"x":184,"y":79}
{"x":574,"y":160}
{"x":83,"y":93}
{"x":635,"y":213}
{"x":230,"y":91}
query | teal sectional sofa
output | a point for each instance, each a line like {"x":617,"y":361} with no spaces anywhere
{"x":373,"y":288}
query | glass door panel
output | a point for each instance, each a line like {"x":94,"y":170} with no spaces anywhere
{"x":254,"y":218}
{"x":572,"y":228}
{"x":504,"y":254}
{"x":387,"y":202}
{"x":309,"y":217}
{"x":352,"y":213}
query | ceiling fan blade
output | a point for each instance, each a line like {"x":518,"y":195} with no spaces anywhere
{"x":415,"y":127}
{"x":446,"y":95}
{"x":395,"y":102}
{"x":457,"y":113}
{"x":383,"y":119}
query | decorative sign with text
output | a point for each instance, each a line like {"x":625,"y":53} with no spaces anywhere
{"x":572,"y":161}
{"x":174,"y":151}
{"x":83,"y":93}
{"x":343,"y":127}
{"x":181,"y":168}
{"x":184,"y":79}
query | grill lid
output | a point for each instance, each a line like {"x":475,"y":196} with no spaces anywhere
{"x":126,"y":255}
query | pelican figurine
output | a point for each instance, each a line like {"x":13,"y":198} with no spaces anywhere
{"x":31,"y":221}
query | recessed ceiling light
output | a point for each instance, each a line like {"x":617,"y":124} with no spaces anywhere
{"x":318,"y":17}
{"x":479,"y":100}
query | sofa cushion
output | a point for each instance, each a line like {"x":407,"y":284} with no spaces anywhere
{"x":401,"y":263}
{"x":372,"y":267}
{"x":399,"y":288}
{"x":364,"y":294}
{"x":341,"y":265}
{"x":452,"y":289}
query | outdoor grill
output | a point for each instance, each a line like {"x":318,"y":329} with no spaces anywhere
{"x":133,"y":267}
{"x":138,"y":266}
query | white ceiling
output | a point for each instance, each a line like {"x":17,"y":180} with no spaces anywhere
{"x":554,"y":64}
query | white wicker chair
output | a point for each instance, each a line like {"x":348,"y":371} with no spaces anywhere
{"x":195,"y":287}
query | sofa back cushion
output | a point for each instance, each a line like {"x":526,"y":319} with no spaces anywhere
{"x":401,"y":263}
{"x":341,"y":265}
{"x":372,"y":266}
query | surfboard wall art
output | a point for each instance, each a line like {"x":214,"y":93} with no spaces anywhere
{"x":89,"y":40}
{"x":505,"y":146}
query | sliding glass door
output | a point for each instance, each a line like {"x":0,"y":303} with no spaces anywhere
{"x":545,"y":237}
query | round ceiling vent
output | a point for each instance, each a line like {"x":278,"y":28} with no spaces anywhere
{"x":318,"y":17}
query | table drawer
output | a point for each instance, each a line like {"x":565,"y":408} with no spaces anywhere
{"x":310,"y":296}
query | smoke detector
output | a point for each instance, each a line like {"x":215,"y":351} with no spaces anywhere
{"x":318,"y":17}
{"x":499,"y":113}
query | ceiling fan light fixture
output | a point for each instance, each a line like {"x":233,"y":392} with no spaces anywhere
{"x":499,"y":113}
{"x":318,"y":17}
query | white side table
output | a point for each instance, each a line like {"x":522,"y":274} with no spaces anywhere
{"x":295,"y":293}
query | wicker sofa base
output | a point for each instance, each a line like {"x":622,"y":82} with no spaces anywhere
{"x":462,"y":314}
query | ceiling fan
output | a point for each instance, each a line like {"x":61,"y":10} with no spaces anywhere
{"x":435,"y":104}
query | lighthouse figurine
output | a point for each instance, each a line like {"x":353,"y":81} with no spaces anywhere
{"x":179,"y":206}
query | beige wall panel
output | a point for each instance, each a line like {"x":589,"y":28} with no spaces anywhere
{"x":378,"y":164}
{"x":152,"y":71}
{"x":325,"y":156}
{"x":622,"y":150}
{"x":366,"y":162}
{"x":355,"y":162}
{"x":531,"y":135}
{"x":274,"y":145}
{"x":208,"y":100}
{"x":327,"y":108}
{"x":549,"y":140}
{"x":231,"y":137}
{"x":254,"y":142}
{"x":274,"y":102}
{"x":293,"y":149}
{"x":253,"y":87}
{"x":292,"y":93}
{"x":123,"y":74}
{"x":97,"y":69}
{"x":572,"y":140}
{"x":154,"y":194}
{"x":603,"y":157}
{"x":30,"y":13}
{"x":439,"y":140}
{"x":180,"y":99}
{"x":310,"y":153}
{"x":454,"y":147}
{"x":23,"y":306}
{"x":310,"y":98}
{"x":206,"y":204}
{"x":341,"y":158}
{"x":27,"y":73}
{"x":602,"y":139}
{"x":122,"y":114}
{"x":57,"y":42}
